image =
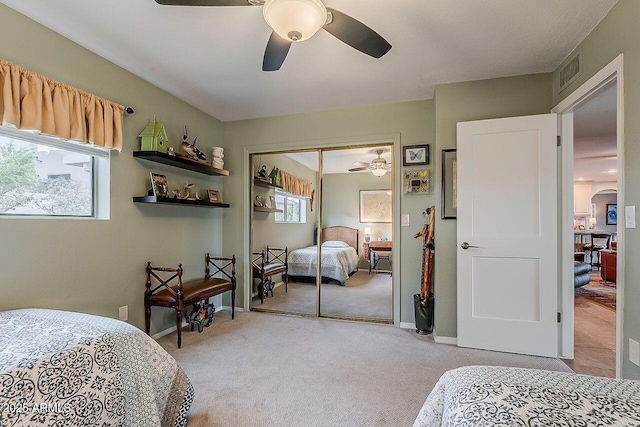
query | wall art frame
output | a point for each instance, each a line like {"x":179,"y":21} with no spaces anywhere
{"x":449,"y":193}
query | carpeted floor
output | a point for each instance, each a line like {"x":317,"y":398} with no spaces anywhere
{"x":601,"y":293}
{"x":272,"y":370}
{"x":363,"y":295}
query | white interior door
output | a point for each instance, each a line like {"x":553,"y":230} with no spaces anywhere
{"x":507,"y":235}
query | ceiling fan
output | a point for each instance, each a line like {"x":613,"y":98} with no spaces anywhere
{"x":294,"y":21}
{"x":377,"y":166}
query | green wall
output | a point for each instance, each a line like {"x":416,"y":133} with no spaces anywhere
{"x":412,"y":120}
{"x":96,"y":266}
{"x":341,"y":203}
{"x":459,"y":102}
{"x":619,"y":33}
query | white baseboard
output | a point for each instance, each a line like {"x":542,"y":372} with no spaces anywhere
{"x":168,"y":331}
{"x":184,"y":323}
{"x":407,"y":325}
{"x":444,"y":340}
{"x":228,"y":307}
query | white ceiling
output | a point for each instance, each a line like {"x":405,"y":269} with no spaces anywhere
{"x":211,"y":57}
{"x":340,"y":161}
{"x":595,"y":153}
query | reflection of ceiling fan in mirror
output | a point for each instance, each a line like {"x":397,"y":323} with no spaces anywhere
{"x":293,"y":21}
{"x":377,"y":166}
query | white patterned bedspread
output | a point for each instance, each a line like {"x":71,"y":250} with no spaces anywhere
{"x":501,"y":396}
{"x":337,"y":263}
{"x":60,"y":368}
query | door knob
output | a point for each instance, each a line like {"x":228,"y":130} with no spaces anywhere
{"x":465,"y":246}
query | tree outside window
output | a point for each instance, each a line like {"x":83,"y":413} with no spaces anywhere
{"x":40,"y":180}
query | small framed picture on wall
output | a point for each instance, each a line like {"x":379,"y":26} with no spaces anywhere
{"x":612,"y":214}
{"x":415,"y":155}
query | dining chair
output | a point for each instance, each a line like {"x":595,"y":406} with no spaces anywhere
{"x":598,"y":241}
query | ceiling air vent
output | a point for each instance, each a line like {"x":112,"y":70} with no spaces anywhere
{"x":571,"y":71}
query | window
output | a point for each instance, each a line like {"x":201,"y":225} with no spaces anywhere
{"x":44,"y":176}
{"x":294,"y":208}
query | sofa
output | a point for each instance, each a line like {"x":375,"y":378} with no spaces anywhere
{"x":581,"y":274}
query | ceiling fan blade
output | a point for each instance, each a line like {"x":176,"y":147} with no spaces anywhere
{"x":362,"y":164}
{"x":356,"y":34}
{"x":276,"y":52}
{"x":359,"y":169}
{"x":204,"y":2}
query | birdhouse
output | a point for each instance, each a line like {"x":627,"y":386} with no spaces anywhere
{"x":154,"y":137}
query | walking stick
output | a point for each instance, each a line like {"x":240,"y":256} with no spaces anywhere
{"x":427,"y":253}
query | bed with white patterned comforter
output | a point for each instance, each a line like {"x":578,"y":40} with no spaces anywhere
{"x":337,"y":262}
{"x":61,"y":368}
{"x":501,"y":396}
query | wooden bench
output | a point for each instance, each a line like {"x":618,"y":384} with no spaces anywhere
{"x":181,"y":295}
{"x":268,"y":262}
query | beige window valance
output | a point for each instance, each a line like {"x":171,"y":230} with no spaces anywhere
{"x":294,"y":185}
{"x":34,"y":102}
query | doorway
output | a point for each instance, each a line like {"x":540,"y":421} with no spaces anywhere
{"x":282,"y":218}
{"x":595,"y":167}
{"x":594,"y":151}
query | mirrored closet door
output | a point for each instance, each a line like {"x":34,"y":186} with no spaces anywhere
{"x":357,"y":236}
{"x":349,"y":193}
{"x":284,"y":232}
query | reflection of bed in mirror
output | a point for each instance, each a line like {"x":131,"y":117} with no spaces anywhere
{"x":339,"y":257}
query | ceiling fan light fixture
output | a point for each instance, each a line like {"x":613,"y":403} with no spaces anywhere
{"x":379,"y":171}
{"x":295,"y":20}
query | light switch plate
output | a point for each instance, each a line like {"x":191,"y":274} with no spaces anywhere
{"x":405,"y":220}
{"x":634,"y":351}
{"x":630,"y":216}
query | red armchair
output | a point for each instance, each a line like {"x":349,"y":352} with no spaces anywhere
{"x":608,"y":261}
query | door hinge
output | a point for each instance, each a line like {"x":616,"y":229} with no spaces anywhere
{"x":559,"y":141}
{"x":559,"y":317}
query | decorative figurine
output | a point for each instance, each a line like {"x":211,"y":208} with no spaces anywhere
{"x":177,"y":194}
{"x":199,"y":313}
{"x":190,"y":149}
{"x":187,"y":195}
{"x":273,"y":175}
{"x":171,"y":151}
{"x":263,"y":172}
{"x":154,"y":137}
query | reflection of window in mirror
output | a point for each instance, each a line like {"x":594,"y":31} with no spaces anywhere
{"x":593,"y":210}
{"x":294,"y":209}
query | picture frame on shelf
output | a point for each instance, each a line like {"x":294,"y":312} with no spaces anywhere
{"x":214,"y":196}
{"x":159,"y":185}
{"x":415,"y":155}
{"x":449,"y":193}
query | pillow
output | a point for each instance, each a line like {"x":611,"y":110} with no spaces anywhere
{"x":334,"y":244}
